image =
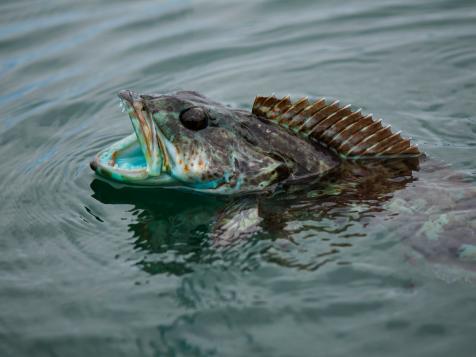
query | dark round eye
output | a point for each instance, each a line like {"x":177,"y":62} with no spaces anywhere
{"x":194,"y":118}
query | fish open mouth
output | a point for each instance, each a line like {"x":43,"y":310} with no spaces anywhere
{"x":137,"y":157}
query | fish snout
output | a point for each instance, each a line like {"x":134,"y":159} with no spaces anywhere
{"x":129,"y":96}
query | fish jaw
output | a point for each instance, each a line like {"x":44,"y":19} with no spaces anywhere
{"x":137,"y":158}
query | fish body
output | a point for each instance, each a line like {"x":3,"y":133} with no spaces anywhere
{"x":185,"y":140}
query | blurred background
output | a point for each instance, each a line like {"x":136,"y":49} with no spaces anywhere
{"x":90,"y":269}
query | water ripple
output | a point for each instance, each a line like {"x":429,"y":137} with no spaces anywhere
{"x":350,"y":266}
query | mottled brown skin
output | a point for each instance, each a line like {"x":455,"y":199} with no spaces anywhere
{"x":301,"y":157}
{"x":192,"y":142}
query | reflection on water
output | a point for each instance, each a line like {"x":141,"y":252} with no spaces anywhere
{"x":335,"y":212}
{"x":332,"y":214}
{"x":170,"y":226}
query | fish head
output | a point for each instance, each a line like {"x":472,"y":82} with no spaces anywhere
{"x":186,"y":140}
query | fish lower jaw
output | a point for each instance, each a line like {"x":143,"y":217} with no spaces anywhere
{"x":124,"y":161}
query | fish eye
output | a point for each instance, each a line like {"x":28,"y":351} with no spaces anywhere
{"x":194,"y":118}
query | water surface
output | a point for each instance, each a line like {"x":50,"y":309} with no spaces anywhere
{"x":380,"y":266}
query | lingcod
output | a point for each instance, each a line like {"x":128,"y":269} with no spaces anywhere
{"x":187,"y":141}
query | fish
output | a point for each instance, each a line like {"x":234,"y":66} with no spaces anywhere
{"x":184,"y":140}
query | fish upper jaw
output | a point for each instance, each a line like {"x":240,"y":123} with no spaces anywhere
{"x":146,"y":131}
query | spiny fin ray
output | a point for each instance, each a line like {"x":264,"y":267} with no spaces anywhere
{"x":347,"y":132}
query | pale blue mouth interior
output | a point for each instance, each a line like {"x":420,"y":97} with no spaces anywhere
{"x":123,"y":157}
{"x":131,"y":158}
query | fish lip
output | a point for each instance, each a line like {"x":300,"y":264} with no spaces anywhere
{"x":93,"y":164}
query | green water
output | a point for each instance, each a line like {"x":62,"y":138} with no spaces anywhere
{"x":384,"y":267}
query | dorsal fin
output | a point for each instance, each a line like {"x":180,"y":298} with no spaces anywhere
{"x":347,"y":132}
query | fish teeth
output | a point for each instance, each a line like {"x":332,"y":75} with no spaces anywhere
{"x":122,"y":106}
